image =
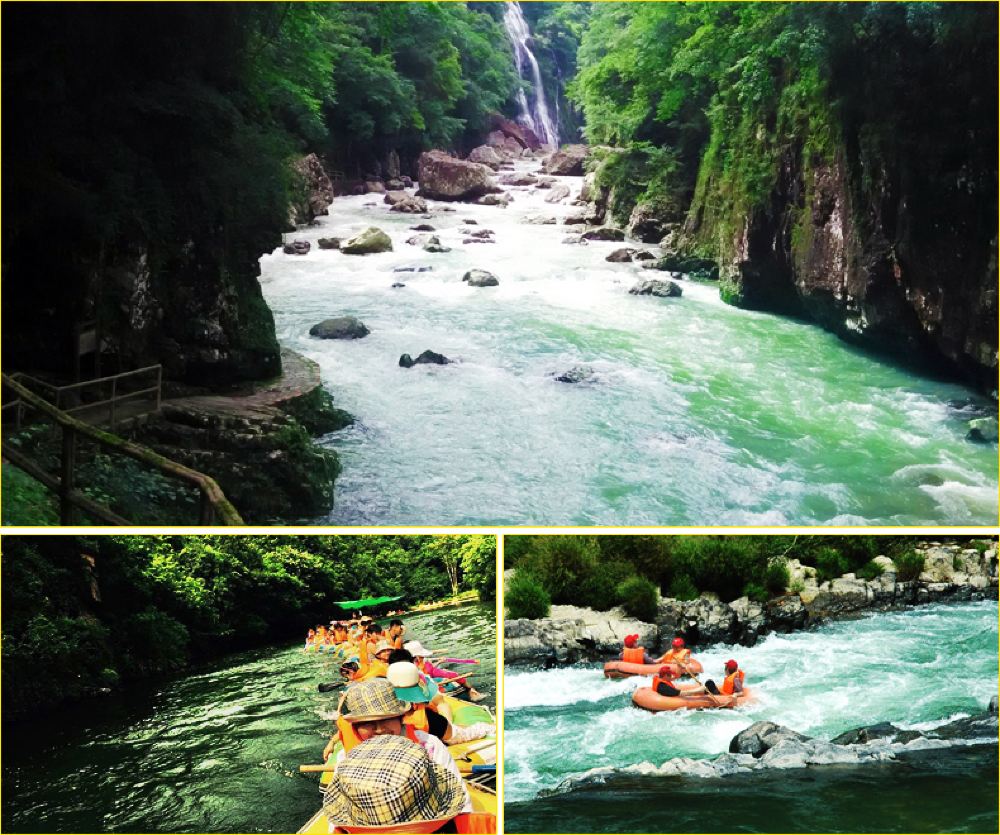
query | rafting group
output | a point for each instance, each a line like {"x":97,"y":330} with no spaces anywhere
{"x":405,"y":754}
{"x":667,"y":691}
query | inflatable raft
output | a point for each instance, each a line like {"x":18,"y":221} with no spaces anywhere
{"x":623,"y":669}
{"x":649,"y":699}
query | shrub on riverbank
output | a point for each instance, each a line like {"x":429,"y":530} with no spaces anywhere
{"x":525,"y":597}
{"x":81,"y":614}
{"x":638,"y":598}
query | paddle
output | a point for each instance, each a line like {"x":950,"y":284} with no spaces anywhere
{"x":684,"y":667}
{"x":456,"y":660}
{"x":329,"y":686}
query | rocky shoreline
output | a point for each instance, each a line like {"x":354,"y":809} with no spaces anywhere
{"x":570,"y":634}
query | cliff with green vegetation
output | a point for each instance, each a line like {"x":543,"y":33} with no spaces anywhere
{"x":836,"y":161}
{"x":85,"y":615}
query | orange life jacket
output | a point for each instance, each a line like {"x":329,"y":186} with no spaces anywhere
{"x":657,"y":681}
{"x":482,"y":823}
{"x":376,"y":669}
{"x":633,"y":655}
{"x":679,"y":656}
{"x":729,"y":686}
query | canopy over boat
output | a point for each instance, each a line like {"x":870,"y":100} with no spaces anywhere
{"x":366,"y":602}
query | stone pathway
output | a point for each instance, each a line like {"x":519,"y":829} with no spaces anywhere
{"x":299,"y":376}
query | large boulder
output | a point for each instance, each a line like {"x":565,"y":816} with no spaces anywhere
{"x":622,"y":256}
{"x":296,"y":248}
{"x":761,"y":737}
{"x":524,"y":135}
{"x":567,"y":161}
{"x":647,"y":224}
{"x":442,"y":177}
{"x":983,"y":430}
{"x":576,"y":374}
{"x":341,"y":327}
{"x":329,"y":243}
{"x":557,"y":194}
{"x":526,"y":179}
{"x":367,"y":242}
{"x":394,"y":197}
{"x":485,"y":155}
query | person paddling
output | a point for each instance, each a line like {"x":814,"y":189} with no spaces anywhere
{"x":389,"y":782}
{"x":429,"y":711}
{"x":732,"y":684}
{"x":421,"y":657}
{"x":632,"y":653}
{"x":663,"y":681}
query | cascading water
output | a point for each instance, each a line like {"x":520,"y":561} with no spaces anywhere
{"x":536,"y":114}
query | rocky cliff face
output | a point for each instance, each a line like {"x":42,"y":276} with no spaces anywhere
{"x":883,"y":259}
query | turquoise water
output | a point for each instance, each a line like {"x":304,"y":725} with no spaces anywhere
{"x":918,"y":669}
{"x":699,"y":413}
{"x":217,"y":751}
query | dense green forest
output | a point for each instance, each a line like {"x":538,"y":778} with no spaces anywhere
{"x":81,"y":614}
{"x":605,"y":571}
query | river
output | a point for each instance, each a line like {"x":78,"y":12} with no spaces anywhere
{"x":918,"y":669}
{"x":699,"y":413}
{"x":214,"y":751}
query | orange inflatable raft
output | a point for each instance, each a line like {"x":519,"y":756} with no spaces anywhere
{"x":649,"y":699}
{"x":623,"y":669}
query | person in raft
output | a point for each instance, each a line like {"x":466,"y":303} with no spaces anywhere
{"x":395,"y":636}
{"x":429,"y":711}
{"x":677,"y":654}
{"x":389,"y":784}
{"x":664,"y":684}
{"x":420,"y":656}
{"x":732,"y":684}
{"x":370,"y":709}
{"x":633,"y":653}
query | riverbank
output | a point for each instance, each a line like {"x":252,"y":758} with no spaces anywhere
{"x":951,"y":572}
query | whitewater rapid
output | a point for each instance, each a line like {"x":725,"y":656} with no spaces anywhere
{"x":919,"y":669}
{"x":698,"y":413}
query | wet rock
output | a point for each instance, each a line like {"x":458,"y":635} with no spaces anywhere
{"x":539,"y":220}
{"x":478,"y":233}
{"x":523,"y":135}
{"x":525,"y":179}
{"x":419,"y":240}
{"x":410,"y":205}
{"x":558,"y":193}
{"x":433,"y":244}
{"x":647,"y":224}
{"x":655,"y":287}
{"x":993,"y":705}
{"x":396,"y":284}
{"x":983,"y":430}
{"x":374,"y":187}
{"x":395,"y":184}
{"x":567,"y":161}
{"x":341,"y":327}
{"x":700,"y":268}
{"x":574,"y":239}
{"x":426,"y":358}
{"x":644,"y":255}
{"x":621,"y":256}
{"x":480,"y":278}
{"x":296,"y":248}
{"x":501,"y":200}
{"x":881,"y":730}
{"x":470,"y":221}
{"x":750,"y":620}
{"x":576,"y":374}
{"x":604,"y":233}
{"x":423,"y":227}
{"x":412,"y":269}
{"x":372,"y":240}
{"x":486,"y":155}
{"x":575,"y":220}
{"x":443,"y":177}
{"x":329,"y":243}
{"x":394,"y":197}
{"x":406,"y":181}
{"x":761,"y":737}
{"x":786,"y":613}
{"x":478,"y":241}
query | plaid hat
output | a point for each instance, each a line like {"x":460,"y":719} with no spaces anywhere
{"x":409,"y":684}
{"x":390,"y":780}
{"x":374,"y":699}
{"x":382,"y":646}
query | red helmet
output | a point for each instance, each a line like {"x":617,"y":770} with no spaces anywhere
{"x":677,"y":643}
{"x":731,"y":666}
{"x":666,"y":671}
{"x":630,"y":640}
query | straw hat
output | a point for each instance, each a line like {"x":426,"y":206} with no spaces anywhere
{"x":409,"y":684}
{"x":390,"y":780}
{"x":415,"y":648}
{"x":374,"y":699}
{"x":382,"y":646}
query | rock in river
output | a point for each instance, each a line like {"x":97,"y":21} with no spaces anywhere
{"x":296,"y":248}
{"x":370,"y":241}
{"x":604,"y":233}
{"x":623,"y":255}
{"x":427,"y":357}
{"x":341,"y":327}
{"x":654,"y":287}
{"x":568,"y":161}
{"x":443,"y":177}
{"x":329,"y":243}
{"x":480,"y":278}
{"x":983,"y":430}
{"x":577,"y":374}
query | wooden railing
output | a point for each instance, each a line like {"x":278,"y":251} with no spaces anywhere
{"x":215,"y":508}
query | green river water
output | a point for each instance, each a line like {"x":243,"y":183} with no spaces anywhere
{"x":214,"y":751}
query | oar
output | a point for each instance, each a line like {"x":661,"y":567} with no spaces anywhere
{"x":456,"y":660}
{"x":684,"y":667}
{"x":329,"y":686}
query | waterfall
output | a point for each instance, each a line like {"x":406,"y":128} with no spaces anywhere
{"x":536,"y":114}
